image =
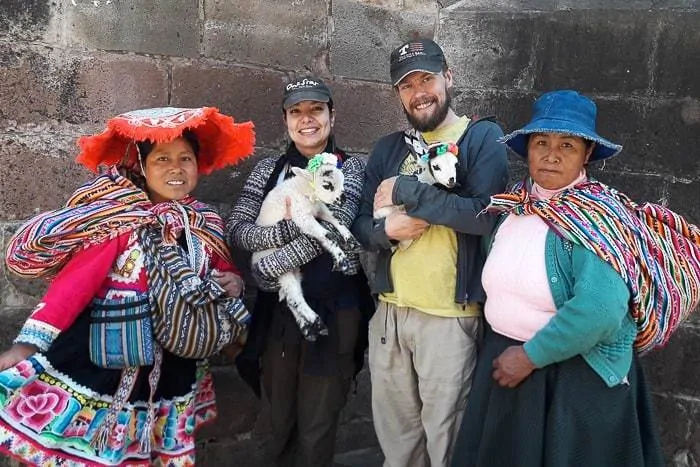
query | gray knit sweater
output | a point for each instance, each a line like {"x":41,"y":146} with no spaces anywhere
{"x":293,"y":249}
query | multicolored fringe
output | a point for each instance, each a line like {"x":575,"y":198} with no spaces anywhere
{"x":106,"y":207}
{"x":47,"y":419}
{"x":655,"y":250}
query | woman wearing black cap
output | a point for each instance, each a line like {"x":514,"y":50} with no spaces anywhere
{"x":306,"y":382}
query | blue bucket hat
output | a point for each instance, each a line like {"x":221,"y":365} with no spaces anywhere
{"x":564,"y":112}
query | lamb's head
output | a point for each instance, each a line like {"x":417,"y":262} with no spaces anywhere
{"x":441,"y":163}
{"x":325,"y":177}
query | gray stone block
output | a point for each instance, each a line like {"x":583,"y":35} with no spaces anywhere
{"x":677,"y":64}
{"x":12,"y":320}
{"x":156,"y":27}
{"x":684,"y":198}
{"x":512,"y":110}
{"x":505,"y":5}
{"x":25,"y":19}
{"x":38,"y":85}
{"x":569,"y":50}
{"x":641,"y":188}
{"x":679,"y":428}
{"x":364,"y":113}
{"x":223,"y":186}
{"x":38,"y":173}
{"x":364,"y":36}
{"x":282,"y":34}
{"x":244,"y":93}
{"x":492,"y":50}
{"x":668,"y":367}
{"x":654,"y":134}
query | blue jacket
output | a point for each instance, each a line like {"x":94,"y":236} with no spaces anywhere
{"x":482,"y":172}
{"x":592,"y":318}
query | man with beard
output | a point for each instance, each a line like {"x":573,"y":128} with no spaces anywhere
{"x":423,"y":336}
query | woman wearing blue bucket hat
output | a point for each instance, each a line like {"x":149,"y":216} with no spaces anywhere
{"x":578,"y":285}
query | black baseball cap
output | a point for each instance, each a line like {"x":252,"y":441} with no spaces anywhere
{"x":305,"y":89}
{"x":417,"y":55}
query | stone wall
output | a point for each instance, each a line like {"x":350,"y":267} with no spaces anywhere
{"x":68,"y":65}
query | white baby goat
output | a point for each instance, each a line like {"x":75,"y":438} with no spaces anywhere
{"x":309,"y":191}
{"x":438,"y":166}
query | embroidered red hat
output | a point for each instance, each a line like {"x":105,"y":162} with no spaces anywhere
{"x":222,"y":142}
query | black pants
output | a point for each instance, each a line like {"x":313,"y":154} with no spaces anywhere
{"x":305,"y":408}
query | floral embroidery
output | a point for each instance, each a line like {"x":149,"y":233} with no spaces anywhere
{"x":37,"y":404}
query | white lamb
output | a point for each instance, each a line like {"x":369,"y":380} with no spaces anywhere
{"x":438,"y":166}
{"x":309,"y":191}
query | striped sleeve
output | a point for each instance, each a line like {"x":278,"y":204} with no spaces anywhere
{"x":241,"y":229}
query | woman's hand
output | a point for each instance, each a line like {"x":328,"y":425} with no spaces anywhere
{"x":512,"y":366}
{"x":232,"y":283}
{"x":16,"y":354}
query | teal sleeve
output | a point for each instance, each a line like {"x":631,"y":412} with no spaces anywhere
{"x":595,"y":311}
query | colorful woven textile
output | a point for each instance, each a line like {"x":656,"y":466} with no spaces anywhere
{"x":106,"y":207}
{"x":655,"y":250}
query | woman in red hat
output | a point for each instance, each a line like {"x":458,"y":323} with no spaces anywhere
{"x":80,"y":386}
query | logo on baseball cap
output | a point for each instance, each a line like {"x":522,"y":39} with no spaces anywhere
{"x":419,"y":55}
{"x":305,"y":89}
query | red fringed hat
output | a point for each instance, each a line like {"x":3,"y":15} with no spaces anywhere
{"x":221,"y":141}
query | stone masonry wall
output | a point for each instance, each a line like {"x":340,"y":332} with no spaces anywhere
{"x":68,"y":65}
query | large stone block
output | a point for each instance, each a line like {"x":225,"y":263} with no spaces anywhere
{"x":25,"y":19}
{"x":222,"y":187}
{"x":568,"y":47}
{"x":156,"y":27}
{"x":37,"y":173}
{"x":677,"y":64}
{"x":679,"y":423}
{"x":505,"y":5}
{"x":288,"y":34}
{"x":12,"y":320}
{"x":668,"y":368}
{"x":30,"y":87}
{"x":641,"y":188}
{"x":364,"y":36}
{"x":364,"y":113}
{"x":492,"y":50}
{"x":36,"y":85}
{"x":511,"y":110}
{"x":657,"y":135}
{"x":684,"y":198}
{"x":244,"y":93}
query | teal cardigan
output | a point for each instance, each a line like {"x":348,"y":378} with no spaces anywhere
{"x":592,"y":318}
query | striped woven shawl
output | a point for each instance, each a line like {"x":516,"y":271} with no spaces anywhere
{"x":104,"y":208}
{"x":655,"y":250}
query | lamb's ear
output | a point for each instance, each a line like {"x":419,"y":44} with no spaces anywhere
{"x":299,"y":172}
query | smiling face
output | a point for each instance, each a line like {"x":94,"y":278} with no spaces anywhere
{"x":425,"y":98}
{"x":170,"y":170}
{"x":309,"y":124}
{"x":554,"y":160}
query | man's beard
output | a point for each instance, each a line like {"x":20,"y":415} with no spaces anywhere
{"x":433,"y":121}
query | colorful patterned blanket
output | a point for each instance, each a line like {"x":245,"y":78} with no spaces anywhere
{"x":656,"y":251}
{"x":104,"y":208}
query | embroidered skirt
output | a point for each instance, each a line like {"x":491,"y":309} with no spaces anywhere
{"x":52,"y":404}
{"x":561,"y":415}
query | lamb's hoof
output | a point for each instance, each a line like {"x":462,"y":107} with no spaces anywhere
{"x":312,"y":330}
{"x":341,"y":264}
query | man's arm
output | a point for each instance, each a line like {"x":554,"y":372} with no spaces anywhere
{"x":486,"y":175}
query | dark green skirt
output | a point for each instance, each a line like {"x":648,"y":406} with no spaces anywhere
{"x":563,"y":415}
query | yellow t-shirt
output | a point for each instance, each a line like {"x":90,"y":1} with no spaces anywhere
{"x":424,"y":275}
